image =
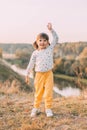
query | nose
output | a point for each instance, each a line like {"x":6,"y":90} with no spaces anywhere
{"x":42,"y":43}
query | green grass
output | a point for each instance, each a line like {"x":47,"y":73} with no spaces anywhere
{"x":70,"y":78}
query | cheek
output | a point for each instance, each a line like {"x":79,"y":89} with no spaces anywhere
{"x":47,"y":44}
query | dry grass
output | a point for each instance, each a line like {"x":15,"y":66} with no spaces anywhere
{"x":69,"y":113}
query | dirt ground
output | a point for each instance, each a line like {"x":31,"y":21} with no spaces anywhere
{"x":69,"y":113}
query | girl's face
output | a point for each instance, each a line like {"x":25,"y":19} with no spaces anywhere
{"x":42,"y":43}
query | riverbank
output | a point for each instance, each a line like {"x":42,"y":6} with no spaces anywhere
{"x":70,"y":78}
{"x":69,"y":113}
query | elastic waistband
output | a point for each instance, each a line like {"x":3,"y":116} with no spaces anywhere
{"x":44,"y":72}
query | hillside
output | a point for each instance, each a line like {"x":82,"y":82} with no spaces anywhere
{"x":69,"y":113}
{"x":10,"y":79}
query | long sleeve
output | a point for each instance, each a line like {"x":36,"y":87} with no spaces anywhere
{"x":31,"y":64}
{"x":55,"y":39}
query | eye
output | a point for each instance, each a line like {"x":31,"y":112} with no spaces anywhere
{"x":45,"y":40}
{"x":40,"y":40}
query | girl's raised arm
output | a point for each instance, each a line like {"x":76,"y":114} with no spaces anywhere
{"x":49,"y":26}
{"x":54,"y":34}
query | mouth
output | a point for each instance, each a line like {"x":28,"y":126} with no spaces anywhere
{"x":42,"y":47}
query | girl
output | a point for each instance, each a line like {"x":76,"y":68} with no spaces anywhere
{"x":42,"y":61}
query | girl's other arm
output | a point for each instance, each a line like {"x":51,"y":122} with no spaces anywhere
{"x":31,"y":64}
{"x":30,"y":68}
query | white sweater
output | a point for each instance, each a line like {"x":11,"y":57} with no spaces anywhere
{"x":42,"y":60}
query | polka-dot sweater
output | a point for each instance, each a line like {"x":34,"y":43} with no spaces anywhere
{"x":42,"y":60}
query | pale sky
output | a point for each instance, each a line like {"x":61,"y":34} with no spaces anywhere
{"x":22,"y":20}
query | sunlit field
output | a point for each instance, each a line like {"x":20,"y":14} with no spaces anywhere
{"x":15,"y":108}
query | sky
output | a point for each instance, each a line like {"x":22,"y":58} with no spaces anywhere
{"x":22,"y":20}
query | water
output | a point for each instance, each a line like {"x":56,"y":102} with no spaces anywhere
{"x":21,"y":71}
{"x":67,"y":91}
{"x":64,"y":88}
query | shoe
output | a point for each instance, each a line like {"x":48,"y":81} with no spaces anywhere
{"x":34,"y":112}
{"x":49,"y":113}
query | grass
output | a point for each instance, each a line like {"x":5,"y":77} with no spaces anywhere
{"x":8,"y":77}
{"x":69,"y":113}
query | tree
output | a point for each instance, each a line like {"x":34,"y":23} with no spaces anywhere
{"x":0,"y":52}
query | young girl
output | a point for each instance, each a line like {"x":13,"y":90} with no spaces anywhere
{"x":42,"y":61}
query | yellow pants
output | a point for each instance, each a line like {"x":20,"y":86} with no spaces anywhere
{"x":43,"y":87}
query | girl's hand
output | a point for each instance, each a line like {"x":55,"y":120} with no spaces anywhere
{"x":49,"y":26}
{"x":27,"y":80}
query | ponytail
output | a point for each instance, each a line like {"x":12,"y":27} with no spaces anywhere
{"x":35,"y":45}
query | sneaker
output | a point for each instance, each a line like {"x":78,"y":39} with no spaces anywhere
{"x":34,"y":112}
{"x":49,"y":113}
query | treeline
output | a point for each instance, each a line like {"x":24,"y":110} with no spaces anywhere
{"x":21,"y":51}
{"x":11,"y":48}
{"x":71,"y":59}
